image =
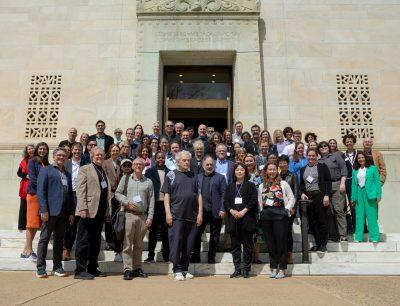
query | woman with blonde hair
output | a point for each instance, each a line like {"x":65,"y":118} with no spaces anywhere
{"x":240,"y":153}
{"x":279,"y":141}
{"x":276,"y":199}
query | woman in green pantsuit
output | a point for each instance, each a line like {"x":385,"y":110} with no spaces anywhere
{"x":366,"y":193}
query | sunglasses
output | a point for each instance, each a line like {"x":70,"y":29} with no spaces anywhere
{"x":125,"y":165}
{"x":324,"y":146}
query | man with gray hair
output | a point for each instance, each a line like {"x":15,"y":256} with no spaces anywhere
{"x":212,"y":186}
{"x":93,"y":194}
{"x":139,"y":210}
{"x":54,"y":190}
{"x":183,"y":211}
{"x":179,"y":127}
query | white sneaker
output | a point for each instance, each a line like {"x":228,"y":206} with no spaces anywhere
{"x":179,"y":277}
{"x":188,"y":275}
{"x":118,"y":257}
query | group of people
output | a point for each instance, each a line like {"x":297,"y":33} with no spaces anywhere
{"x":174,"y":183}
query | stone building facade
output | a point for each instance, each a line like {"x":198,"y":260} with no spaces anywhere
{"x":327,"y":66}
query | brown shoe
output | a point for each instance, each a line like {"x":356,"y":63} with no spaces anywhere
{"x":66,"y":255}
{"x":290,"y":258}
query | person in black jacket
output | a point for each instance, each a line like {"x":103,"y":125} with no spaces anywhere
{"x":316,"y":185}
{"x":103,"y":140}
{"x":241,"y":207}
{"x":157,"y":175}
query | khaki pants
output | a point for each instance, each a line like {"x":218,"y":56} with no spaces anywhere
{"x":338,"y":202}
{"x":135,"y":230}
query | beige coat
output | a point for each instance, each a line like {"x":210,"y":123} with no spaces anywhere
{"x":88,"y":191}
{"x":112,"y":173}
{"x":379,"y":162}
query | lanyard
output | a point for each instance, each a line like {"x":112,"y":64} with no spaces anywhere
{"x":238,"y":194}
{"x":100,"y":172}
{"x":352,"y":160}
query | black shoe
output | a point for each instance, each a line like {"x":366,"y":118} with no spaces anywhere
{"x":194,"y":259}
{"x":236,"y":274}
{"x":139,"y":273}
{"x":149,"y":260}
{"x":211,"y":260}
{"x":98,"y":273}
{"x":313,"y":249}
{"x":246,"y":274}
{"x":322,"y":250}
{"x":83,"y":275}
{"x":128,"y":275}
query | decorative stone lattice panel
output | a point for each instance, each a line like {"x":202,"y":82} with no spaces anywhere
{"x":355,"y":112}
{"x":43,"y":106}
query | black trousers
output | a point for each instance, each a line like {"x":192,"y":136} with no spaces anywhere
{"x":58,"y":226}
{"x":319,"y":220}
{"x":157,"y":225}
{"x":70,"y":234}
{"x":22,"y":215}
{"x":275,"y":235}
{"x":238,"y":238}
{"x":181,"y":237}
{"x":351,"y":220}
{"x":290,"y":233}
{"x":88,"y":241}
{"x":215,"y":231}
{"x":108,"y":228}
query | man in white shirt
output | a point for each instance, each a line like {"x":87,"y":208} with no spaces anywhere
{"x":237,"y":136}
{"x":72,"y":166}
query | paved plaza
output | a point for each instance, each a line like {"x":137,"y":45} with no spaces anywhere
{"x":22,"y":288}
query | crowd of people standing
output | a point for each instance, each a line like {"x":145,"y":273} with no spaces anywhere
{"x":177,"y":181}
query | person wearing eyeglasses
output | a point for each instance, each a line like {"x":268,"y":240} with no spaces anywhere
{"x":316,"y":186}
{"x":169,"y":132}
{"x":338,"y":170}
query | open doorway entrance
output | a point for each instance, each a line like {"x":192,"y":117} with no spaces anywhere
{"x":198,"y":94}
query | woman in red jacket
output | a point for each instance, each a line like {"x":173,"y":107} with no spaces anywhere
{"x":23,"y":185}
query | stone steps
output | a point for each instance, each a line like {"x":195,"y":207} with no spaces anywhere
{"x":342,"y":259}
{"x":227,"y":268}
{"x":226,"y":257}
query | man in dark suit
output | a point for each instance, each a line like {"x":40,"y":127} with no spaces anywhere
{"x":54,"y":192}
{"x":212,"y":186}
{"x":103,"y":140}
{"x":222,"y":165}
{"x":157,"y":175}
{"x":72,"y":166}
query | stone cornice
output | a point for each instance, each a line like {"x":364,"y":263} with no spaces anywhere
{"x":197,"y":7}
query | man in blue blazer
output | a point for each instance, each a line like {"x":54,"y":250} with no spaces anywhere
{"x":54,"y":190}
{"x":212,"y":186}
{"x":222,"y":165}
{"x":157,"y":175}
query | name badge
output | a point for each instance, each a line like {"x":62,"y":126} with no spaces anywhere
{"x":137,"y":199}
{"x":269,"y":202}
{"x":228,"y":153}
{"x":261,"y":167}
{"x":103,"y":184}
{"x":64,"y":182}
{"x":238,"y":201}
{"x":310,"y":179}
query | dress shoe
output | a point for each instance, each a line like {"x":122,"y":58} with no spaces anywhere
{"x":322,"y":250}
{"x":235,"y":274}
{"x":139,"y":273}
{"x":313,"y":249}
{"x":194,"y":259}
{"x":128,"y":275}
{"x":98,"y":273}
{"x":84,"y":275}
{"x":246,"y":274}
{"x":211,"y":260}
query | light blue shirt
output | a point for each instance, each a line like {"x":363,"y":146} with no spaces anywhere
{"x":170,"y":163}
{"x":221,"y":167}
{"x":295,"y":166}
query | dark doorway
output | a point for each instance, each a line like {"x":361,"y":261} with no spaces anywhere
{"x":198,"y":94}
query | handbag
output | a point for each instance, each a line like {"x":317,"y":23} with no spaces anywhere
{"x":118,"y":219}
